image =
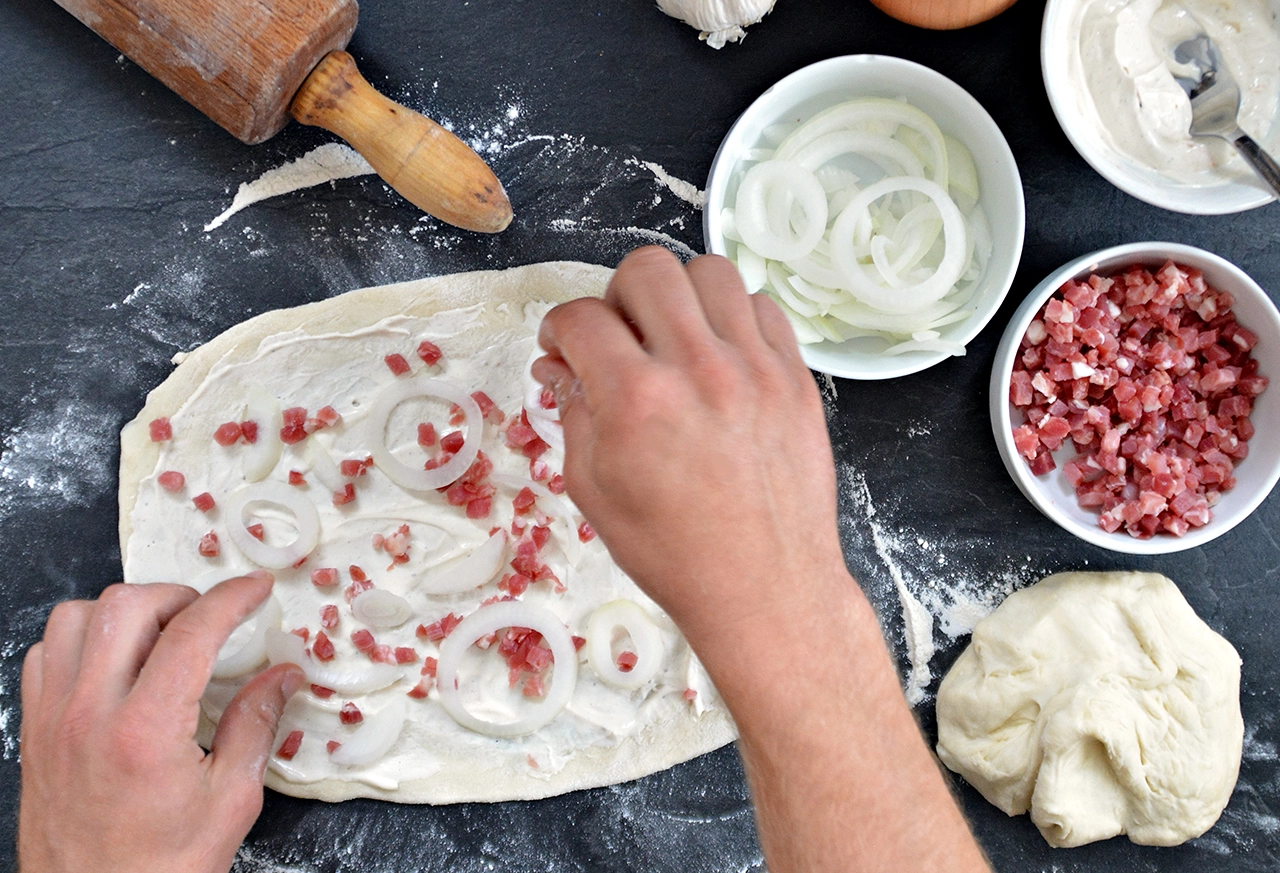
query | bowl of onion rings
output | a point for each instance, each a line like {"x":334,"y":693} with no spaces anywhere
{"x":878,"y":204}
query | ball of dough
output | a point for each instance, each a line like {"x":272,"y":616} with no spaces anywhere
{"x":1101,"y":703}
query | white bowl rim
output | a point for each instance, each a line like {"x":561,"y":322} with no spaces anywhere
{"x":912,"y":362}
{"x":1224,"y":199}
{"x":1002,"y":421}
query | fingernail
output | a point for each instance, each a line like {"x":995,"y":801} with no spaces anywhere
{"x":292,"y":682}
{"x":261,"y":574}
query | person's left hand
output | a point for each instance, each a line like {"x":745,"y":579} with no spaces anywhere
{"x":112,"y":778}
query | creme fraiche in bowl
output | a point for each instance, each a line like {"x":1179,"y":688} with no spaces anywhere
{"x":1129,"y":397}
{"x":1109,"y":69}
{"x":878,"y":204}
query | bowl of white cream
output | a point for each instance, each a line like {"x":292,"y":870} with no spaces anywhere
{"x":1109,"y":69}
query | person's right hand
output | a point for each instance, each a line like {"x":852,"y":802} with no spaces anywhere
{"x":112,"y":778}
{"x":696,"y":443}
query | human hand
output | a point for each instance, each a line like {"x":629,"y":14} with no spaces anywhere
{"x":696,"y":444}
{"x":112,"y":778}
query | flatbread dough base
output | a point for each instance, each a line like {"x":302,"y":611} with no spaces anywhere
{"x":670,"y":739}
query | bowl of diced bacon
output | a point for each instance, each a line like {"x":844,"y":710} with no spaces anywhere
{"x":1129,"y":397}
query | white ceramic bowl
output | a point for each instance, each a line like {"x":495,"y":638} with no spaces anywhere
{"x":1255,"y":475}
{"x":826,"y":83}
{"x":1074,"y":109}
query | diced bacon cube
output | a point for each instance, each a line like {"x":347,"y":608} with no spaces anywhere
{"x":350,"y":714}
{"x":405,"y":655}
{"x":420,"y":691}
{"x":627,"y":661}
{"x":171,"y":481}
{"x":556,"y":485}
{"x":586,"y":533}
{"x":350,"y":468}
{"x":690,"y":695}
{"x":329,"y":616}
{"x":540,"y":534}
{"x":203,"y":501}
{"x":296,"y":478}
{"x":363,"y":641}
{"x":294,"y":428}
{"x":290,"y":746}
{"x":518,"y":434}
{"x":480,"y":507}
{"x":345,"y":496}
{"x":302,"y":633}
{"x":160,"y":430}
{"x":426,"y":434}
{"x":227,"y":433}
{"x":429,"y":666}
{"x":438,"y":630}
{"x":452,"y":442}
{"x":396,"y":364}
{"x":329,"y":416}
{"x":209,"y":546}
{"x":333,"y":746}
{"x":539,"y":470}
{"x":524,"y":501}
{"x":534,"y":448}
{"x":324,"y":577}
{"x":430,"y":353}
{"x":322,"y":648}
{"x":321,"y":692}
{"x":257,"y":531}
{"x":488,"y":409}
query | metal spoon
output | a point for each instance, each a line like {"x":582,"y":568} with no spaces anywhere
{"x":1215,"y":105}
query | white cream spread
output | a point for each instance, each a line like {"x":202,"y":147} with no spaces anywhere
{"x":1122,"y":67}
{"x":347,"y":371}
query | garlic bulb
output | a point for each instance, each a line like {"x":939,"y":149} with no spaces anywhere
{"x":720,"y":21}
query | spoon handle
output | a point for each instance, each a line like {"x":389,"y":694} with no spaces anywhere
{"x":1266,"y":165}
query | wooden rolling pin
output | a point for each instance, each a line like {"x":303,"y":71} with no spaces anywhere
{"x":250,"y":64}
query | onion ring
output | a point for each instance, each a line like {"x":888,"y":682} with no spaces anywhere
{"x":306,"y":520}
{"x":761,"y":198}
{"x":645,"y":637}
{"x":236,"y":660}
{"x":398,"y":471}
{"x":378,"y":607}
{"x":494,"y":617}
{"x":469,"y":572}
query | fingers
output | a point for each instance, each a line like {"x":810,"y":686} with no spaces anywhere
{"x":182,"y":661}
{"x":242,"y":743}
{"x":62,"y":649}
{"x":776,"y":330}
{"x":725,"y":304}
{"x":125,"y":623}
{"x":594,"y":342}
{"x":32,"y":688}
{"x":652,"y":290}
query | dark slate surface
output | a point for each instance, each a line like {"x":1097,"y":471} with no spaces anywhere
{"x":106,"y":180}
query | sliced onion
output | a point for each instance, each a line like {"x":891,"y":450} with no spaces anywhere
{"x":469,"y":572}
{"x":374,"y":738}
{"x":896,"y":159}
{"x":877,"y":115}
{"x":306,"y":521}
{"x":763,"y":210}
{"x":286,"y":648}
{"x":545,"y":422}
{"x":910,"y":298}
{"x":646,"y":640}
{"x":259,"y":458}
{"x":495,"y":617}
{"x":236,"y":658}
{"x":323,"y":466}
{"x":403,"y":474}
{"x":378,"y":607}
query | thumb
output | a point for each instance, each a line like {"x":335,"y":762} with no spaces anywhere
{"x":242,"y":743}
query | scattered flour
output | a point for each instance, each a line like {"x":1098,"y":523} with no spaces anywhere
{"x":686,"y":191}
{"x":326,"y":163}
{"x":941,"y":586}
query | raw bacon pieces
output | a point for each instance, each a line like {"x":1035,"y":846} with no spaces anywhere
{"x":1150,"y":378}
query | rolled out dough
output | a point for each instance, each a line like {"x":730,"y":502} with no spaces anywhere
{"x":1101,"y":703}
{"x":476,"y":771}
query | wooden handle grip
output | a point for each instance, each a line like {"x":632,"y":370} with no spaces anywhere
{"x":431,"y":167}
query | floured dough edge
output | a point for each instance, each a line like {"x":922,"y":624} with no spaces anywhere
{"x":671,"y":739}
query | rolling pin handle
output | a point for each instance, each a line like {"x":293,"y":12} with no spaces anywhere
{"x":425,"y":163}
